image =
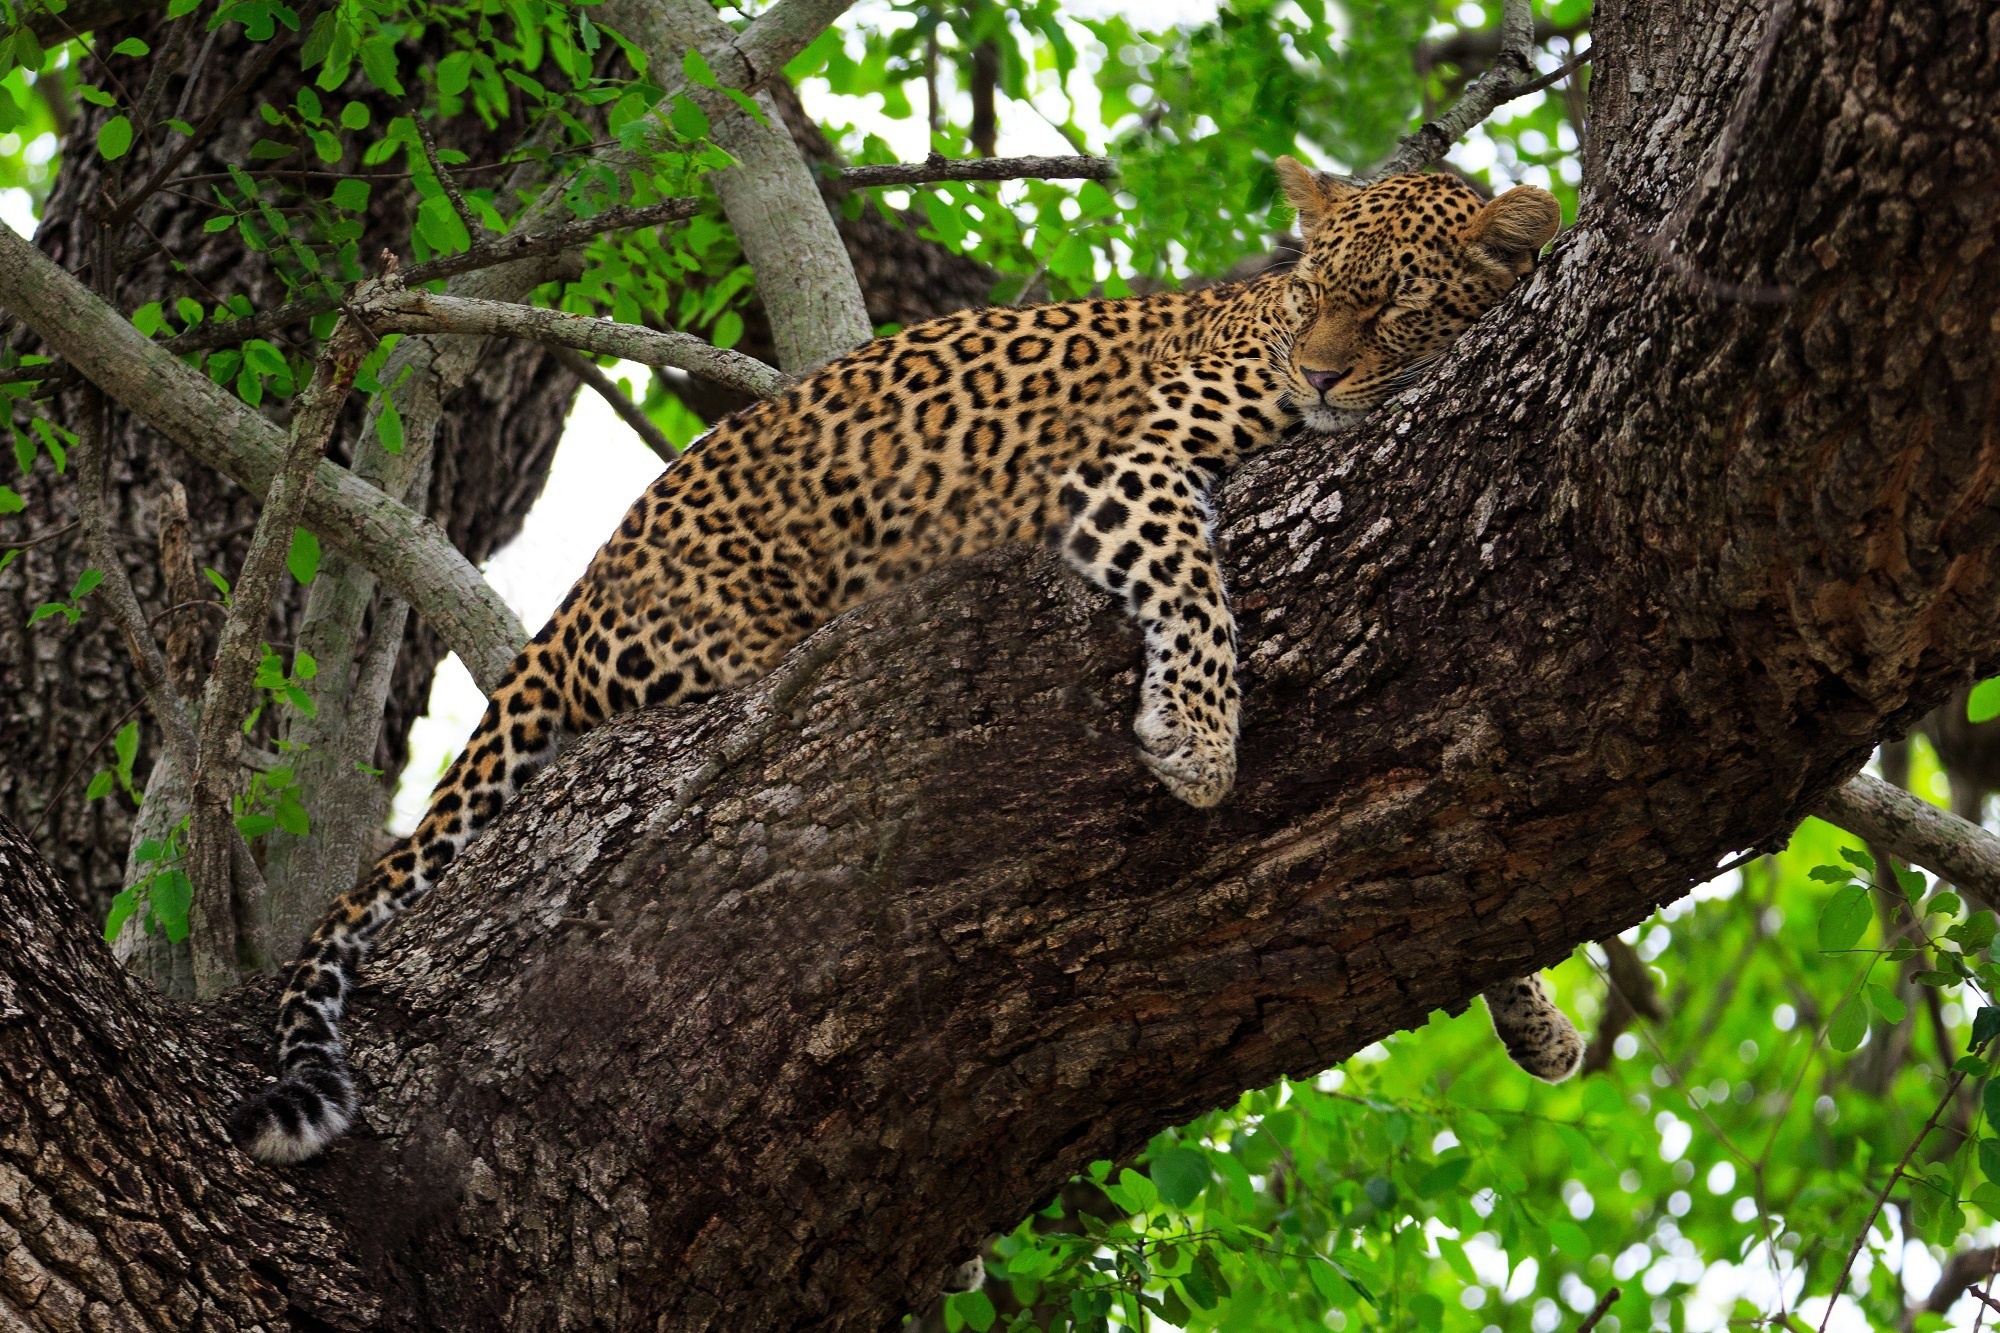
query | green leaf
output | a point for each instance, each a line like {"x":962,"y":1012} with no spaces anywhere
{"x":169,"y":895}
{"x":354,"y":116}
{"x":11,"y":501}
{"x":114,"y":138}
{"x":378,"y":62}
{"x":303,"y":559}
{"x":389,"y":426}
{"x":974,"y":1308}
{"x":688,"y":120}
{"x":1133,"y":1192}
{"x":695,"y":66}
{"x":1989,"y":1158}
{"x":1844,"y":919}
{"x":221,"y":583}
{"x":304,"y":665}
{"x":1570,"y":1239}
{"x":1180,"y":1175}
{"x":216,"y":224}
{"x":1830,"y":874}
{"x":125,"y":747}
{"x":1886,"y":1003}
{"x":1985,"y":1025}
{"x":292,"y":816}
{"x":1445,"y":1176}
{"x":100,"y":786}
{"x":441,"y":227}
{"x":189,"y":310}
{"x":351,"y":195}
{"x":1849,"y":1025}
{"x":454,"y":72}
{"x":1428,"y":1310}
{"x":1974,"y":933}
{"x":122,"y":908}
{"x":1983,"y":704}
{"x":1931,"y":978}
{"x":85,"y":583}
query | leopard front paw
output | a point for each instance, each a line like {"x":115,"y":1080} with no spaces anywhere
{"x":1196,"y":764}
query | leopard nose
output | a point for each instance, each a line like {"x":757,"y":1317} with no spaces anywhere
{"x":1322,"y":380}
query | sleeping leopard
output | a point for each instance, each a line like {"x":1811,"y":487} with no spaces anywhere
{"x":1100,"y":426}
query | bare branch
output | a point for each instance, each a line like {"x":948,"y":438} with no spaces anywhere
{"x":628,"y":411}
{"x":473,"y":227}
{"x":426,"y":312}
{"x":1503,"y":80}
{"x":485,"y":254}
{"x":410,"y":552}
{"x":214,"y":865}
{"x":938,"y":167}
{"x":1951,"y":848}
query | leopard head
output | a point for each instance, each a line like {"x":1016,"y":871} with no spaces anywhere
{"x":1391,"y":274}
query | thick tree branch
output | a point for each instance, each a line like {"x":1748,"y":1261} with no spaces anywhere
{"x":410,"y":552}
{"x":1908,"y":826}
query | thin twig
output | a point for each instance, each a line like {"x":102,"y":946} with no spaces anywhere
{"x":428,"y":313}
{"x":258,"y":69}
{"x":486,"y":254}
{"x":628,"y":411}
{"x":1569,"y":67}
{"x":473,"y":227}
{"x":37,"y":541}
{"x":1598,"y":1311}
{"x":1861,"y":1235}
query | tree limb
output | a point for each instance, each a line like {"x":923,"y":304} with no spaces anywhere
{"x":410,"y":552}
{"x":938,"y":167}
{"x":803,"y":273}
{"x":222,"y":893}
{"x":1908,"y":826}
{"x":1503,"y":80}
{"x":425,"y":312}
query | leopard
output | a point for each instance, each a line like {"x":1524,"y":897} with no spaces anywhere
{"x":1100,"y":426}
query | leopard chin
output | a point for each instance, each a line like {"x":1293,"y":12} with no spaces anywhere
{"x":1326,"y":419}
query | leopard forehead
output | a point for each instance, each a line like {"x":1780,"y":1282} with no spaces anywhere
{"x":1407,"y":227}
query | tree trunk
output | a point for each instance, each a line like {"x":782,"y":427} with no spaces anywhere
{"x":759,"y":1013}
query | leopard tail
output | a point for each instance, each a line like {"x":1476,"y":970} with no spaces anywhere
{"x":315,"y":1100}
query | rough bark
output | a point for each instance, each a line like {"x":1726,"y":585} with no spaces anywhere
{"x":759,"y":1013}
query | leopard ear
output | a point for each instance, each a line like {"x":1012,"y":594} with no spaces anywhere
{"x":1314,"y":193}
{"x":1512,"y":229}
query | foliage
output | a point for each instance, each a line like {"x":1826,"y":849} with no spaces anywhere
{"x":1717,"y":1171}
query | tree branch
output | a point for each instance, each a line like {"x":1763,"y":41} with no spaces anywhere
{"x":214,"y":863}
{"x":411,"y":553}
{"x":938,"y":167}
{"x":425,"y":312}
{"x":483,"y":254}
{"x":804,"y":275}
{"x":1908,"y":826}
{"x":1505,"y":79}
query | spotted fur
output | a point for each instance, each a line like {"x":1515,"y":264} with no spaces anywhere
{"x":1098,"y":425}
